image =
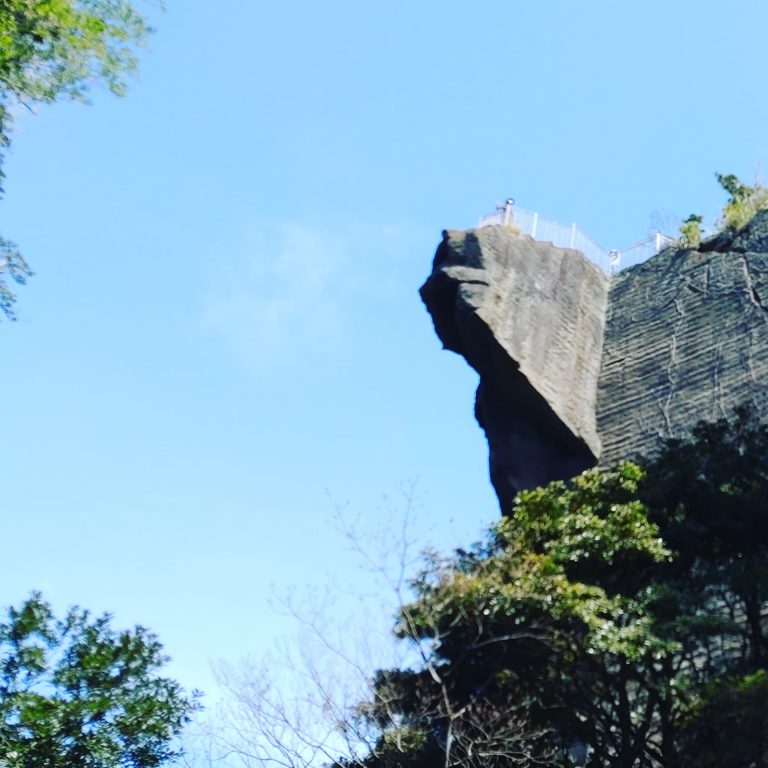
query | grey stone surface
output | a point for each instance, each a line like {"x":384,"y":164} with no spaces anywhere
{"x":578,"y":369}
{"x":686,"y":340}
{"x":529,"y":318}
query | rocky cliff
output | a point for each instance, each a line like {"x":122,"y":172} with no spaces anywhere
{"x":577,"y":368}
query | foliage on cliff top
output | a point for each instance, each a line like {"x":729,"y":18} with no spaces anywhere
{"x":743,"y":203}
{"x":690,"y":231}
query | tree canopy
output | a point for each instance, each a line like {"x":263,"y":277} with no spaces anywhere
{"x":50,"y":49}
{"x":76,"y":693}
{"x":617,"y":620}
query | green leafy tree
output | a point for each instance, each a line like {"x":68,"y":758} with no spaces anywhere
{"x":743,"y":202}
{"x":75,"y":693}
{"x":617,"y":620}
{"x":51,"y":49}
{"x":534,"y":639}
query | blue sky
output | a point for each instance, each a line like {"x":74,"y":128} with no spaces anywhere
{"x":224,"y":327}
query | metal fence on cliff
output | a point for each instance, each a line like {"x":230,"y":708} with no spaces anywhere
{"x":572,"y":236}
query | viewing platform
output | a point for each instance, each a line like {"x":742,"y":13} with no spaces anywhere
{"x":572,"y":236}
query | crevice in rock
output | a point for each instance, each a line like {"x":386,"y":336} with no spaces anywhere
{"x":754,"y":296}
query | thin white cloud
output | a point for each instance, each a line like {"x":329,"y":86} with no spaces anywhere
{"x":291,"y":289}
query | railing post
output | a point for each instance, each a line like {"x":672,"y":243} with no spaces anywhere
{"x":535,"y":224}
{"x":658,"y":242}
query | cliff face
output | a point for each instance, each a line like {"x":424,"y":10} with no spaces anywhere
{"x":686,"y":339}
{"x":529,"y":318}
{"x":578,"y":369}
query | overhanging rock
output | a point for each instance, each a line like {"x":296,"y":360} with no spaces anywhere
{"x":529,"y":318}
{"x":577,"y":368}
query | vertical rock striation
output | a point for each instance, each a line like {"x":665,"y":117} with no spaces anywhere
{"x":578,"y":369}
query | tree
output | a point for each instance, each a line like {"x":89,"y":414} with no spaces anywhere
{"x":13,"y":266}
{"x":75,"y":693}
{"x":743,"y":201}
{"x":51,"y":49}
{"x":545,"y":628}
{"x":617,"y":620}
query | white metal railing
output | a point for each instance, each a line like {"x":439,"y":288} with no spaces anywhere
{"x":643,"y":249}
{"x":572,"y":236}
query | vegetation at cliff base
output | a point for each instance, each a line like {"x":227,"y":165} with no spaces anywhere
{"x":615,"y":620}
{"x":51,"y":49}
{"x":76,"y":693}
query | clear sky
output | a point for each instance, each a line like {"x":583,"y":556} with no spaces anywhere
{"x":224,"y":326}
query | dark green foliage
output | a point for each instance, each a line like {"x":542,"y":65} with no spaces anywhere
{"x":617,"y":620}
{"x":75,"y":693}
{"x":731,"y":184}
{"x":59,"y":48}
{"x":728,"y":725}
